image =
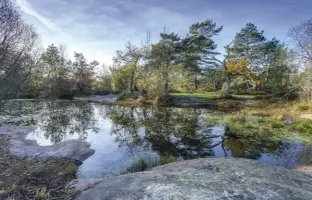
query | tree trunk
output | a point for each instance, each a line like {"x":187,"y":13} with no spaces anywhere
{"x":227,"y":86}
{"x":132,"y":82}
{"x":166,"y":79}
{"x":247,"y":86}
{"x":195,"y":83}
{"x":214,"y":84}
{"x":166,"y":83}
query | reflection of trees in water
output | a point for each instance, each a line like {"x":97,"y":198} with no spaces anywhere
{"x":168,"y":131}
{"x":252,"y":147}
{"x":305,"y":155}
{"x":285,"y":153}
{"x":64,"y":117}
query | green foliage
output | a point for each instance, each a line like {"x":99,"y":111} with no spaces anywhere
{"x":303,"y":125}
{"x":120,"y":78}
{"x":199,"y":95}
{"x":244,"y":126}
{"x":167,"y":159}
{"x":137,"y":166}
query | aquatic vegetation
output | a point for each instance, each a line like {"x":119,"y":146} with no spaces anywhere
{"x":167,"y":159}
{"x":303,"y":125}
{"x":228,"y":104}
{"x":238,"y":125}
{"x":136,"y":166}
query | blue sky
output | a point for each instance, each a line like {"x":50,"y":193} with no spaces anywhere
{"x":98,"y":28}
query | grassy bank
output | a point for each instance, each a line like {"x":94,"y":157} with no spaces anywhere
{"x":23,"y":178}
{"x":274,"y":121}
{"x":212,"y":95}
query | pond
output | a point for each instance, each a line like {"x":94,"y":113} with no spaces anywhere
{"x":129,"y":139}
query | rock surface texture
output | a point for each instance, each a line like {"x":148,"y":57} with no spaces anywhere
{"x":211,"y":178}
{"x":21,"y":147}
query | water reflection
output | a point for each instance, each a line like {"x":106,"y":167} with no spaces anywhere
{"x":128,"y":139}
{"x":167,"y":131}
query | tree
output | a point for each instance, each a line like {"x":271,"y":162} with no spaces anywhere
{"x":120,"y":77}
{"x":198,"y":48}
{"x":302,"y":41}
{"x":57,"y":81}
{"x":164,"y":55}
{"x":130,"y":58}
{"x":247,"y":44}
{"x":83,"y":72}
{"x":302,"y":38}
{"x":17,"y":50}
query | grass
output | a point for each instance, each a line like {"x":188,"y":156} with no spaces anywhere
{"x":274,"y":120}
{"x":211,"y":95}
{"x":42,"y":193}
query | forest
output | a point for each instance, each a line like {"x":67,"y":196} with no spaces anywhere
{"x":150,"y":72}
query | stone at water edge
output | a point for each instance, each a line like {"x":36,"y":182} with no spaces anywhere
{"x":306,"y":169}
{"x":210,"y":178}
{"x":21,"y":147}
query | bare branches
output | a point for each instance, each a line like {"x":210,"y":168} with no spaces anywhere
{"x":302,"y":38}
{"x":17,"y":44}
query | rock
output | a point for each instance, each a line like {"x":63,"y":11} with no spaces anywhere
{"x":19,"y":146}
{"x":83,"y":184}
{"x":210,"y":178}
{"x":306,"y":169}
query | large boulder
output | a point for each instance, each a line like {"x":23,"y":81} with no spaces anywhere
{"x":77,"y":150}
{"x":211,"y":178}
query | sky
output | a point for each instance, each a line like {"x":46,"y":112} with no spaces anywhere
{"x":97,"y":28}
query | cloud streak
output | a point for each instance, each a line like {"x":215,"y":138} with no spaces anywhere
{"x":28,"y":9}
{"x":100,"y":27}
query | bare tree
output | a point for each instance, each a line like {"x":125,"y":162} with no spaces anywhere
{"x":302,"y":38}
{"x":17,"y":45}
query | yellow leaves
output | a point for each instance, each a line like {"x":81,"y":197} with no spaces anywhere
{"x":236,"y":67}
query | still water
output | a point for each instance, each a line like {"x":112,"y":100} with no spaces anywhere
{"x":129,"y":139}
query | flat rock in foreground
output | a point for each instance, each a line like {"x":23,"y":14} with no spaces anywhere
{"x":211,"y":178}
{"x":21,"y":147}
